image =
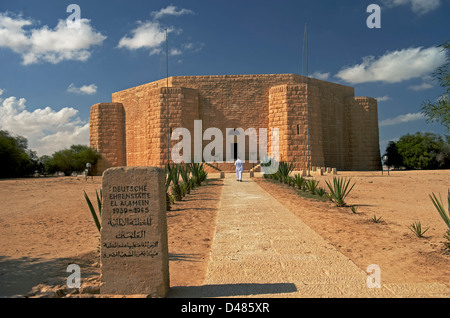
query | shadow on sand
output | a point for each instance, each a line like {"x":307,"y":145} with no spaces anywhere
{"x":19,"y":275}
{"x":230,"y":290}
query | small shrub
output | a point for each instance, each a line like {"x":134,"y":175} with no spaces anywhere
{"x":329,"y":196}
{"x":285,"y":168}
{"x":311,"y":185}
{"x":375,"y":219}
{"x":183,"y":188}
{"x":320,"y":192}
{"x":438,"y":204}
{"x":92,"y":209}
{"x":176,"y":191}
{"x":340,"y":189}
{"x":299,"y":181}
{"x":292,"y":181}
{"x":416,"y":228}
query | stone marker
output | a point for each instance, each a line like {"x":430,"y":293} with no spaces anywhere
{"x":252,"y":174}
{"x":134,"y":246}
{"x":222,"y":175}
{"x":334,"y":171}
{"x":328,"y":169}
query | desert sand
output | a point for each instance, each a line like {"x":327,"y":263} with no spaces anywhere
{"x":46,"y":225}
{"x":400,"y":198}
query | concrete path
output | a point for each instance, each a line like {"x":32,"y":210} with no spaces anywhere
{"x":261,"y":249}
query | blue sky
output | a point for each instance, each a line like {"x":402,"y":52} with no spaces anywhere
{"x":50,"y":74}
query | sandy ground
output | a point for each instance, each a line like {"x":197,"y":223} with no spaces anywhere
{"x":399,"y":199}
{"x":45,"y":225}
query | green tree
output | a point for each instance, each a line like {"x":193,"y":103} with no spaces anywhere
{"x":46,"y":165}
{"x":82,"y":155}
{"x":71,"y":160}
{"x":439,"y":111}
{"x":394,"y":158}
{"x":420,"y":151}
{"x":15,"y":159}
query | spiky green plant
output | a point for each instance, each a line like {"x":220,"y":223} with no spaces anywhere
{"x":311,"y":185}
{"x":287,"y":180}
{"x":375,"y":219}
{"x":193,"y":182}
{"x":354,"y":208}
{"x":174,"y":174}
{"x":92,"y":209}
{"x":285,"y":169}
{"x":340,"y":189}
{"x":292,"y":181}
{"x":169,"y":172}
{"x":329,"y":196}
{"x":320,"y":192}
{"x":438,"y":204}
{"x":416,"y":228}
{"x":183,"y":189}
{"x":440,"y":207}
{"x":198,"y":172}
{"x":185,"y":175}
{"x":299,"y":181}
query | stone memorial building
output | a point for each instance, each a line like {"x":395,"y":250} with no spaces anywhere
{"x":133,"y":129}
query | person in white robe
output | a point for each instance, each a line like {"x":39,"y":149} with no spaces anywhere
{"x":239,"y":168}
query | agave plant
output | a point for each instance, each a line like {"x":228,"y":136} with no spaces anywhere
{"x":169,"y":171}
{"x":311,"y":185}
{"x":299,"y":181}
{"x":184,"y":171}
{"x":321,"y":192}
{"x":176,"y":189}
{"x":438,"y":204}
{"x":183,"y":189}
{"x":92,"y":209}
{"x":375,"y":219}
{"x":285,"y":169}
{"x":198,"y":172}
{"x":416,"y":228}
{"x":340,"y":189}
{"x":292,"y":182}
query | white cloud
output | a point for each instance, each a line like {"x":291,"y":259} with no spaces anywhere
{"x":320,"y":76}
{"x":417,"y":6}
{"x":170,"y":10}
{"x":401,"y":119}
{"x":45,"y":44}
{"x":85,"y":89}
{"x":147,"y":35}
{"x":383,"y":98}
{"x":47,"y":130}
{"x":394,"y":67}
{"x":152,"y":35}
{"x":174,"y":52}
{"x":193,"y":47}
{"x":421,"y":87}
{"x":426,"y":84}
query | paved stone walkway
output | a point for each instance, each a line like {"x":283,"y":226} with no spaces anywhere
{"x":261,"y":249}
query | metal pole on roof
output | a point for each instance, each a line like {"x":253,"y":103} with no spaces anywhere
{"x":307,"y":102}
{"x":167,"y":98}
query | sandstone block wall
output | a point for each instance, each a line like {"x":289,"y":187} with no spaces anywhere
{"x":364,"y":149}
{"x":146,"y":120}
{"x":343,"y":129}
{"x":107,"y":135}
